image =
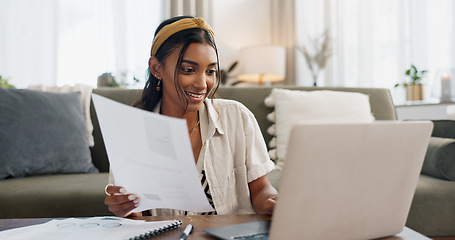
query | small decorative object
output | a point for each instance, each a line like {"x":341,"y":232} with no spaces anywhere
{"x":4,"y":83}
{"x":414,"y":87}
{"x":108,"y":80}
{"x":317,"y":55}
{"x":445,"y":88}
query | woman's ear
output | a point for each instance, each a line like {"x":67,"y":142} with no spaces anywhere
{"x":155,"y":67}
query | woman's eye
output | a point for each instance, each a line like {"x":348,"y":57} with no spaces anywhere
{"x":211,"y":72}
{"x":187,"y":70}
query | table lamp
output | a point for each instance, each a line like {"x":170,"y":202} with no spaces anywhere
{"x":262,"y":64}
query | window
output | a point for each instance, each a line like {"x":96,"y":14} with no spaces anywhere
{"x":57,"y":42}
{"x":375,"y":41}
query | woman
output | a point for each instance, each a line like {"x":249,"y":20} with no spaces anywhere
{"x":228,"y":147}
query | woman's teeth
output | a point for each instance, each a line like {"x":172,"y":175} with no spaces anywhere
{"x":195,"y":95}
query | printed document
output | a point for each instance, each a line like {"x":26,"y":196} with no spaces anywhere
{"x":150,"y":155}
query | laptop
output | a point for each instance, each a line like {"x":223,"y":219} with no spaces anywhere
{"x":345,"y":181}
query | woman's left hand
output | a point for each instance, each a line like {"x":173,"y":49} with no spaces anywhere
{"x":263,"y":195}
{"x":269,"y":202}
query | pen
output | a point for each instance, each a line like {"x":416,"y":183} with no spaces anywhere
{"x":186,"y":232}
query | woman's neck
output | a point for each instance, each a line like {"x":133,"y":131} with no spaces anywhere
{"x":192,"y":118}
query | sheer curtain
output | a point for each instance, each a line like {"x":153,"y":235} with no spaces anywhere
{"x":57,"y":42}
{"x":195,"y":8}
{"x":283,"y":34}
{"x":374,"y":41}
{"x":27,"y":41}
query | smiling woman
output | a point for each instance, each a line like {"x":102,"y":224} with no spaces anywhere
{"x":197,"y":74}
{"x":228,"y":147}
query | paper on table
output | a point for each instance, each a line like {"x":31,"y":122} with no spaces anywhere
{"x":151,"y":156}
{"x":96,"y":228}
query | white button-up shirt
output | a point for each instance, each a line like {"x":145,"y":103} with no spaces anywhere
{"x":233,"y":154}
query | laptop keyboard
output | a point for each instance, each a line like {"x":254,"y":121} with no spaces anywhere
{"x":258,"y":236}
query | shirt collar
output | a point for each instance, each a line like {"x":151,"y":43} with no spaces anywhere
{"x":210,"y":119}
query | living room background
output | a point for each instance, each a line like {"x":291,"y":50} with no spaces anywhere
{"x":375,"y":41}
{"x":57,"y":42}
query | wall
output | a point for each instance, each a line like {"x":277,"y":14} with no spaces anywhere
{"x":238,"y":24}
{"x":27,"y":41}
{"x":45,"y":60}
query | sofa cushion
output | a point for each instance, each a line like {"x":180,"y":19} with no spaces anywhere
{"x":291,"y":106}
{"x":61,"y":195}
{"x":440,"y":158}
{"x":432,"y":209}
{"x":42,"y":133}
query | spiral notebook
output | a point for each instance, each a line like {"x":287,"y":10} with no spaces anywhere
{"x":92,"y":228}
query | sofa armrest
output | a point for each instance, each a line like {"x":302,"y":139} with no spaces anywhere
{"x":443,"y":128}
{"x":440,"y":158}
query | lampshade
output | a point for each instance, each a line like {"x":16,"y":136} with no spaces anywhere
{"x":262,"y":64}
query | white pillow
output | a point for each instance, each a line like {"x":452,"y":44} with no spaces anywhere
{"x":312,"y":106}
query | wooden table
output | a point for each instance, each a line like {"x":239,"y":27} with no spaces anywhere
{"x":202,"y":222}
{"x":199,"y":222}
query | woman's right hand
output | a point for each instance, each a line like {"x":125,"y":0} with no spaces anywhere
{"x":120,"y":203}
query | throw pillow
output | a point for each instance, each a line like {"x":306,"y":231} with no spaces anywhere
{"x":86,"y":96}
{"x":291,"y":106}
{"x":42,"y":133}
{"x":440,"y":158}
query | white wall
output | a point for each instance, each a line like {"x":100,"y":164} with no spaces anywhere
{"x":238,"y":24}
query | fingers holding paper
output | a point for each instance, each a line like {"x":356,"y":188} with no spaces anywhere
{"x":119,"y":201}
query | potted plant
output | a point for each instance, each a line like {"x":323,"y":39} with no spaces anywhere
{"x":4,"y":82}
{"x":414,"y":87}
{"x":225,"y":75}
{"x":317,"y":54}
{"x":122,"y":80}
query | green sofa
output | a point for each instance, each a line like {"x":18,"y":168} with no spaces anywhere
{"x":73,"y":195}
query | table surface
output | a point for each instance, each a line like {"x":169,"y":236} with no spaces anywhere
{"x":199,"y":222}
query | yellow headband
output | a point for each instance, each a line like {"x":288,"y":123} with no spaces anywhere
{"x":178,"y":26}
